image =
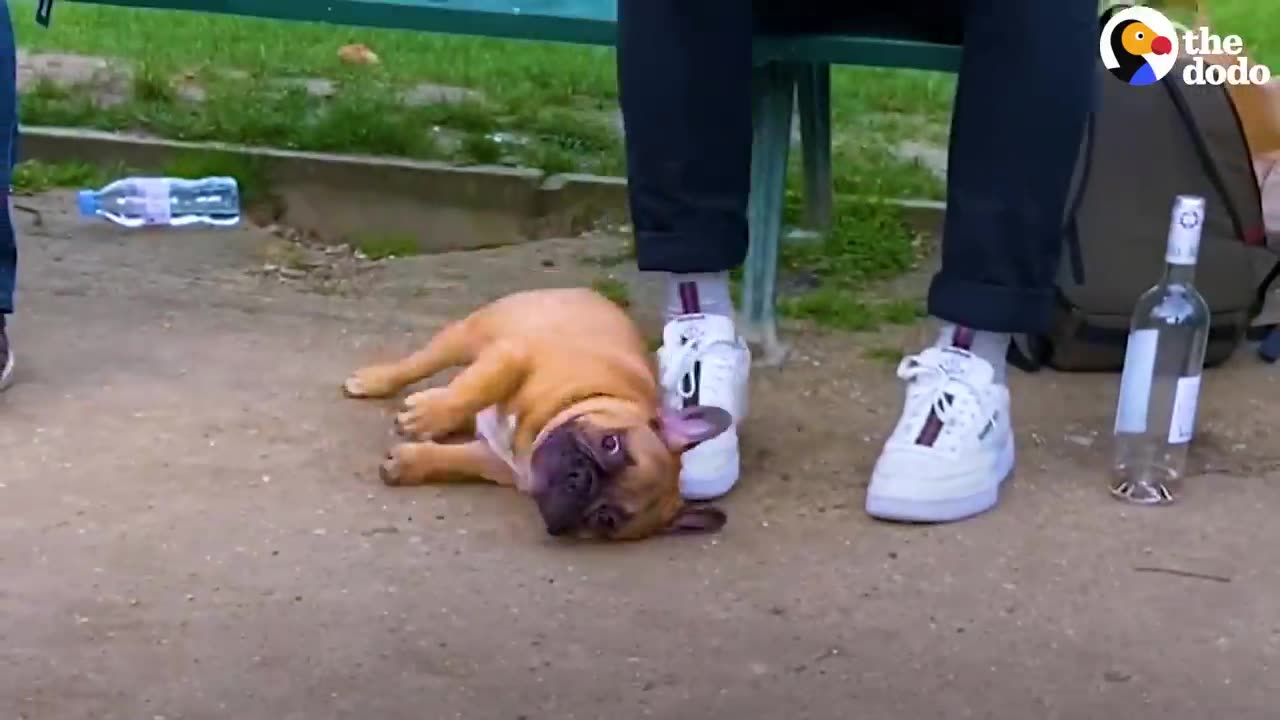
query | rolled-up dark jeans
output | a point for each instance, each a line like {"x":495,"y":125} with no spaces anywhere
{"x":8,"y":156}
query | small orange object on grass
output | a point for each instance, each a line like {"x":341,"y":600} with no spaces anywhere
{"x":357,"y":54}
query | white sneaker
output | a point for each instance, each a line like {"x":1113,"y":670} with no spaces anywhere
{"x":953,"y":446}
{"x":702,"y":361}
{"x":6,"y":357}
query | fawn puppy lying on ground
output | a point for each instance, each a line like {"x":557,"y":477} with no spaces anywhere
{"x":559,"y":399}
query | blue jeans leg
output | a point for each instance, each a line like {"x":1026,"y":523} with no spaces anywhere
{"x":8,"y":156}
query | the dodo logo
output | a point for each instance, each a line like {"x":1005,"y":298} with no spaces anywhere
{"x":1138,"y":45}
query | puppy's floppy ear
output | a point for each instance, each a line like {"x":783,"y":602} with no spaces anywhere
{"x":682,"y":430}
{"x":694,"y":519}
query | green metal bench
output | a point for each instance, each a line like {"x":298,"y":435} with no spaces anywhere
{"x":787,"y":67}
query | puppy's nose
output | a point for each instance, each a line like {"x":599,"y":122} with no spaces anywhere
{"x":577,"y":482}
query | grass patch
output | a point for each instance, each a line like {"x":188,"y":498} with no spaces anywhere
{"x":868,"y":241}
{"x":359,"y":118}
{"x":884,"y":353}
{"x":34,"y":176}
{"x":151,"y":85}
{"x":482,"y":149}
{"x":613,"y":289}
{"x":381,"y":247}
{"x":902,"y":311}
{"x":845,"y":309}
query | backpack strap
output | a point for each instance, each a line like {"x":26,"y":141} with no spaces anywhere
{"x":1027,"y":352}
{"x":1209,"y":164}
{"x":1264,"y":288}
{"x":1248,"y":235}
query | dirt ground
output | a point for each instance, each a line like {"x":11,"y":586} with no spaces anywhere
{"x":191,"y":526}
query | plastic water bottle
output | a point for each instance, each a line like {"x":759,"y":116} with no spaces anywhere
{"x":144,"y":201}
{"x":1160,"y":383}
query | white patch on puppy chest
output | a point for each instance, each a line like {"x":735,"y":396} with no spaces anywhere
{"x":499,"y":432}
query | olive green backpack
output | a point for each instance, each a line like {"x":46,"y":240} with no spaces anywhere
{"x":1143,"y":146}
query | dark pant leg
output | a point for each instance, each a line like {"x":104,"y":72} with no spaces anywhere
{"x":8,"y":156}
{"x":684,"y":75}
{"x":1026,"y":86}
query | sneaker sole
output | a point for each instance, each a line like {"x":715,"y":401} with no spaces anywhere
{"x":712,"y":486}
{"x":6,"y":373}
{"x":950,"y":509}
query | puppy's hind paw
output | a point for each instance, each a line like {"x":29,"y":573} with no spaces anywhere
{"x":406,"y":464}
{"x":390,"y":469}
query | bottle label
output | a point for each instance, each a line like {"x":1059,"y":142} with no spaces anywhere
{"x":155,"y":200}
{"x":1184,"y":234}
{"x":1185,"y":399}
{"x":1135,"y":381}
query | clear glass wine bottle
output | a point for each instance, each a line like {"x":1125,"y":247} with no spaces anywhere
{"x":1160,"y":383}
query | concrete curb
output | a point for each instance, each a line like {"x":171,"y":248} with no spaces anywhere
{"x":440,"y":206}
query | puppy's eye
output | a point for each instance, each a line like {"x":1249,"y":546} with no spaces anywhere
{"x":611,"y":444}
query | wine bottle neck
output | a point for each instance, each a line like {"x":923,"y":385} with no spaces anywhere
{"x":1183,"y":244}
{"x":1179,"y":273}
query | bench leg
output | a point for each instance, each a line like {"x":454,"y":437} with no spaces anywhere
{"x":774,"y":104}
{"x":814,"y":97}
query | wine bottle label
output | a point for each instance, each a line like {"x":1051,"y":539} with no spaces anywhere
{"x":1135,"y":381}
{"x":1184,"y":231}
{"x":1186,"y":397}
{"x":155,"y":200}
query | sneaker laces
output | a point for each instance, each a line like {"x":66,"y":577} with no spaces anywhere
{"x":934,"y":377}
{"x":695,"y":350}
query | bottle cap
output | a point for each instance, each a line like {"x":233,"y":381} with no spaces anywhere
{"x":87,"y":200}
{"x":1185,"y":225}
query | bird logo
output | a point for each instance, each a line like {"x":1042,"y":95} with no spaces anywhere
{"x":1137,"y":44}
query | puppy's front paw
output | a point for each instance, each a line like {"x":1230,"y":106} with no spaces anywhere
{"x":404,"y":465}
{"x":375,"y":381}
{"x":427,"y":414}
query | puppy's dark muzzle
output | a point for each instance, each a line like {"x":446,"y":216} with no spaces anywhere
{"x":559,"y":527}
{"x":571,"y":480}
